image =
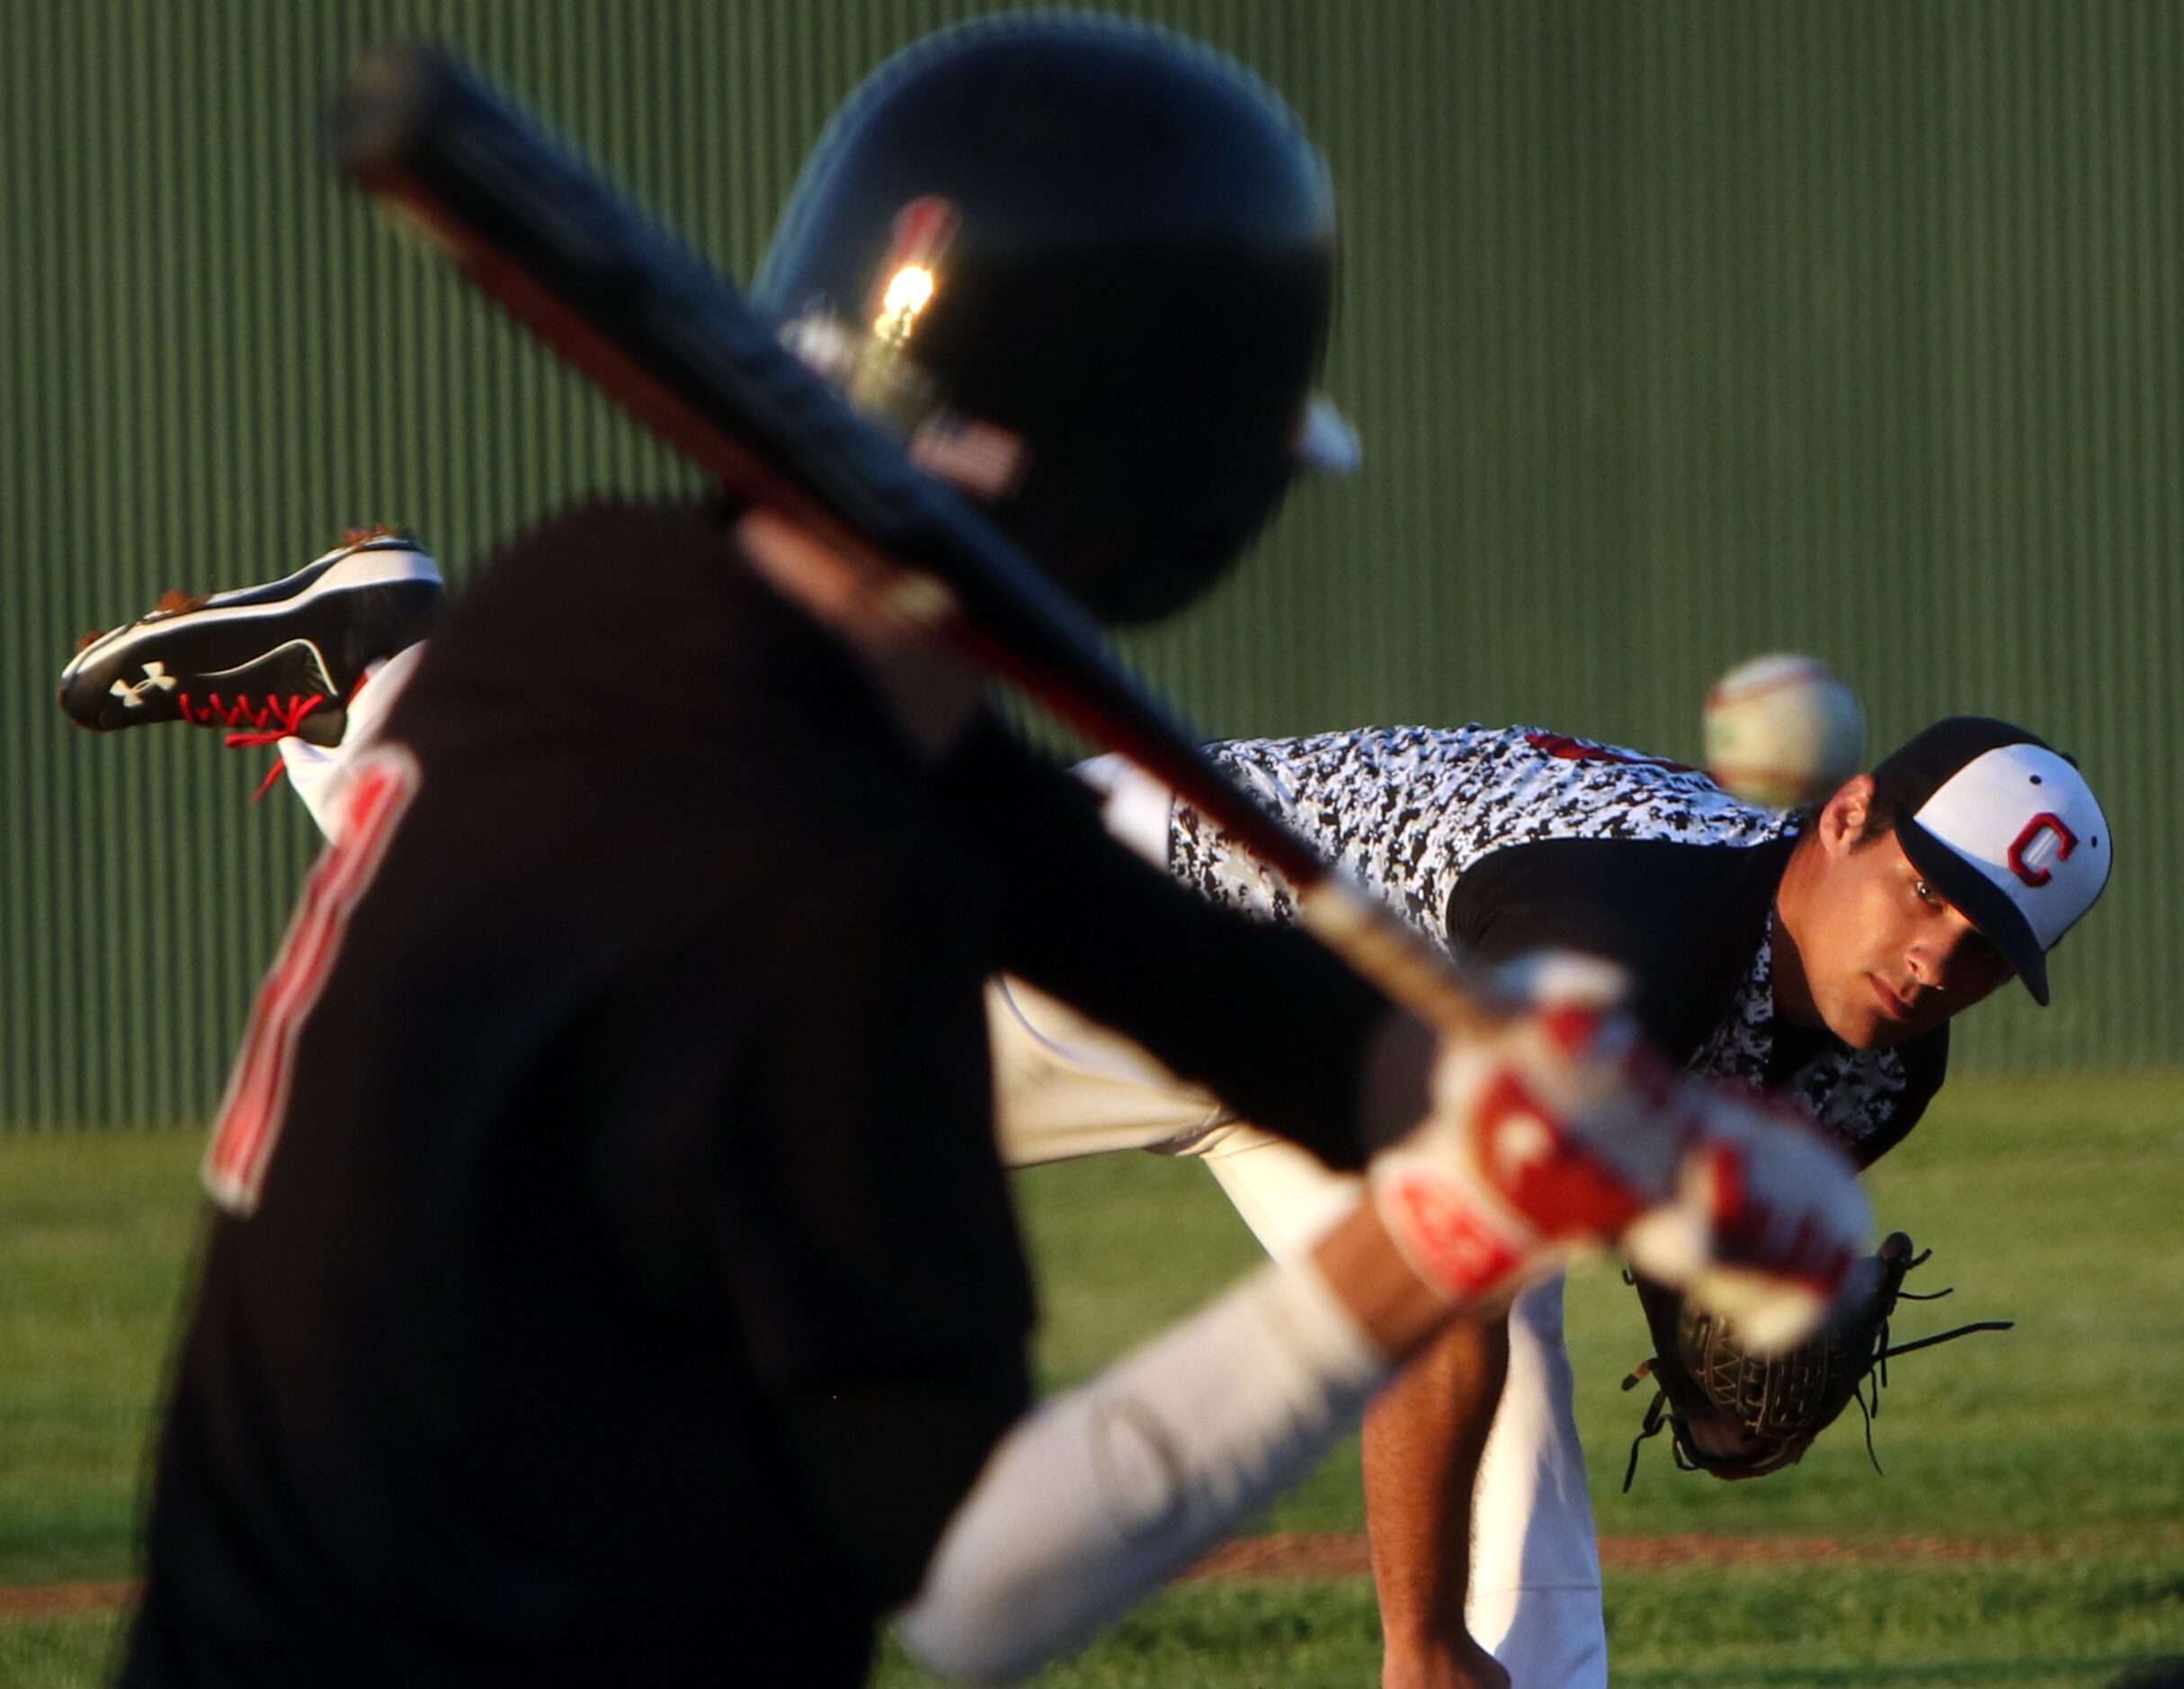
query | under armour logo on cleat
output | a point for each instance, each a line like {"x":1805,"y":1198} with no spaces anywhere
{"x":156,"y":679}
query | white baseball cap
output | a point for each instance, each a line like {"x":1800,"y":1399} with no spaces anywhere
{"x":2005,"y":827}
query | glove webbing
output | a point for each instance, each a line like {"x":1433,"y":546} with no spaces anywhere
{"x":1740,"y":1388}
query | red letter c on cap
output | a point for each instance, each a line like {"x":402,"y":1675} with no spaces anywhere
{"x":2066,"y":842}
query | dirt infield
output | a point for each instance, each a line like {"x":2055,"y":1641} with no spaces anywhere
{"x":52,"y":1601}
{"x":1299,"y":1554}
{"x":1305,"y":1554}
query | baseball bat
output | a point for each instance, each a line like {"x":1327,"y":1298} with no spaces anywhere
{"x":674,"y":343}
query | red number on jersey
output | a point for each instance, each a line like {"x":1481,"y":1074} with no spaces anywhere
{"x":249,"y":1123}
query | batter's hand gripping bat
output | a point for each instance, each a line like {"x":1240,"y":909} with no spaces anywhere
{"x":672,"y":341}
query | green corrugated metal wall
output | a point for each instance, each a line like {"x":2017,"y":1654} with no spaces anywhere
{"x":1676,"y":332}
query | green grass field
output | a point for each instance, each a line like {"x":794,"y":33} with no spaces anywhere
{"x":2042,"y":1470}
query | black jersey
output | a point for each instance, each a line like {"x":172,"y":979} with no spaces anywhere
{"x":1497,"y":841}
{"x":627,"y":1288}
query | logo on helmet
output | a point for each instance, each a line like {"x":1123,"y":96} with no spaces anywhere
{"x":983,"y":460}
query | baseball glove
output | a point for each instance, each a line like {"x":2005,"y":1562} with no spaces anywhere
{"x":1738,"y":1415}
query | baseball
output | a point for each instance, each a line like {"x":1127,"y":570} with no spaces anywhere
{"x":1783,"y":730}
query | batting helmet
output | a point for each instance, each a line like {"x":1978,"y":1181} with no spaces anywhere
{"x":1087,"y":267}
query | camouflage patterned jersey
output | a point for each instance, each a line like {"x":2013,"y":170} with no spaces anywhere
{"x":1496,"y":841}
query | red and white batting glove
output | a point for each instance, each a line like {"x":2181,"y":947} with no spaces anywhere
{"x":1767,"y":1222}
{"x":1563,"y":1130}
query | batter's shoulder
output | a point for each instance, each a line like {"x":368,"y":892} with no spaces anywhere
{"x":635,"y":627}
{"x":598,"y":551}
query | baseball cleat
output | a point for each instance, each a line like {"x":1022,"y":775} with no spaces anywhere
{"x":262,"y":662}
